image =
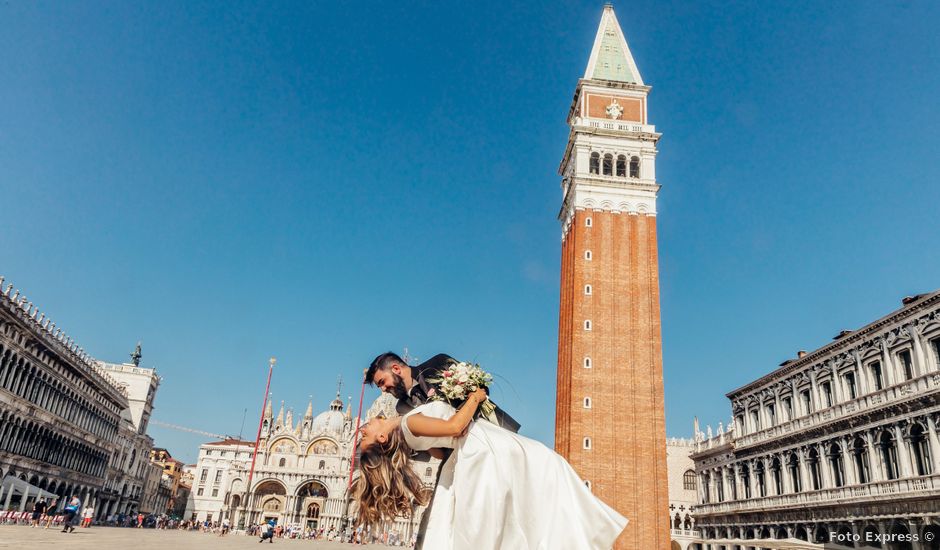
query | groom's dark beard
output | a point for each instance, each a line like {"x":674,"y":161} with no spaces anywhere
{"x":399,"y":390}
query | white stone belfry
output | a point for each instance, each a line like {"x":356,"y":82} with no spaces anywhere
{"x":610,"y":160}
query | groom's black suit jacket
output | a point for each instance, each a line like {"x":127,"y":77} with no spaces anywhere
{"x":431,"y":370}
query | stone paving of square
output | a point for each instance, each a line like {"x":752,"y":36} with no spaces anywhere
{"x":108,"y":538}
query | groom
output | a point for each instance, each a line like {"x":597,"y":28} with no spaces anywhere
{"x":414,"y":386}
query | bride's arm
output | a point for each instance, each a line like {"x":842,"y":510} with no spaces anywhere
{"x":426,"y":426}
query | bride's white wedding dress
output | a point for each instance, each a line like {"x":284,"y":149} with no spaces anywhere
{"x":500,"y":490}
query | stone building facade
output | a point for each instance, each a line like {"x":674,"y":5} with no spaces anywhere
{"x":841,"y":442}
{"x":60,"y":416}
{"x":609,"y":339}
{"x":124,"y":491}
{"x":301,"y":475}
{"x":69,"y":424}
{"x":683,"y":491}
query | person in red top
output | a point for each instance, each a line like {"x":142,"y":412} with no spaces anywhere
{"x":140,"y":520}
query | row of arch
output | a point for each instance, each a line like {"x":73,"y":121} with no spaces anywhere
{"x":869,"y":533}
{"x":20,"y":436}
{"x":879,"y":454}
{"x":619,"y":166}
{"x":21,"y":377}
{"x":61,"y":488}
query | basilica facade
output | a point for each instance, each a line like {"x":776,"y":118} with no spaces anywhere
{"x":301,"y":473}
{"x":838,"y":445}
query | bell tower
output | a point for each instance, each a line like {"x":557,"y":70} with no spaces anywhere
{"x":610,"y":418}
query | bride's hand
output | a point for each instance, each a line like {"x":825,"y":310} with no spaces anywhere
{"x":480,"y":395}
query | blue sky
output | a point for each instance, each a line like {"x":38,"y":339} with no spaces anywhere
{"x":324,"y":181}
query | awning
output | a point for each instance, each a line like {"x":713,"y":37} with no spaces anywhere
{"x":20,"y":487}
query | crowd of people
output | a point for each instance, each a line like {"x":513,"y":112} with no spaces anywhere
{"x":72,"y":514}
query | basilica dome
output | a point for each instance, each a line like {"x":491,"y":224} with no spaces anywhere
{"x":331,"y":421}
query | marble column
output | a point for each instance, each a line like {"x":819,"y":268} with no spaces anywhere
{"x":904,"y":455}
{"x":887,"y":369}
{"x":934,"y":441}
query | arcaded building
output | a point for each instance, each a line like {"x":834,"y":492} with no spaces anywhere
{"x":841,"y":440}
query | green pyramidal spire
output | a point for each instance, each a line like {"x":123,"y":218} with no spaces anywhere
{"x":611,"y":58}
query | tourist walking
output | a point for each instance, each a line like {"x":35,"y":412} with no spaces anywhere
{"x":51,"y":513}
{"x":39,"y":508}
{"x":71,"y":510}
{"x":267,"y":531}
{"x":87,"y":514}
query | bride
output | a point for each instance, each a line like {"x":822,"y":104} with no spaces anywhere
{"x":498,"y":490}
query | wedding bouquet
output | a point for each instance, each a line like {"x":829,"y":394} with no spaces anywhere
{"x":461,"y":379}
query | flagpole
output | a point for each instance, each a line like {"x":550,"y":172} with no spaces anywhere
{"x":352,"y":459}
{"x":264,"y":404}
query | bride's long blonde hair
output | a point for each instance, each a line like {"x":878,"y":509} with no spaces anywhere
{"x":387,"y":486}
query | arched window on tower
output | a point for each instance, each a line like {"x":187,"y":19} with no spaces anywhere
{"x":595,"y":167}
{"x":587,"y":362}
{"x":634,"y":167}
{"x":608,"y":165}
{"x":587,"y":443}
{"x":621,"y":166}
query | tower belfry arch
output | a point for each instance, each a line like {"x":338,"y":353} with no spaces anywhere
{"x":610,"y":419}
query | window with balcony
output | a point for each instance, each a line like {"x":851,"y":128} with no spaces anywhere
{"x":788,"y":407}
{"x":921,"y":450}
{"x":218,"y":476}
{"x":826,"y":388}
{"x":761,"y":481}
{"x":746,"y":480}
{"x":815,"y":473}
{"x":204,"y":475}
{"x":904,"y":356}
{"x":935,"y":346}
{"x":876,"y":375}
{"x":837,"y":465}
{"x":860,"y":457}
{"x":755,"y":421}
{"x":777,"y":476}
{"x":850,"y":384}
{"x":889,"y":454}
{"x":807,"y":401}
{"x":793,"y":465}
{"x":772,"y":414}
